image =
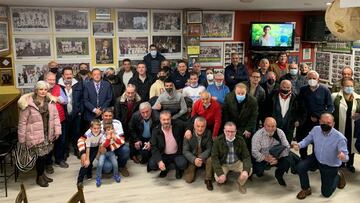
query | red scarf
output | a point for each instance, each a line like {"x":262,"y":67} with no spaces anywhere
{"x":282,"y":66}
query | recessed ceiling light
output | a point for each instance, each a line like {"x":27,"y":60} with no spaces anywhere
{"x":246,"y":1}
{"x":328,"y":3}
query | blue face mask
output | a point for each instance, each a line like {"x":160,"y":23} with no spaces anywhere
{"x":293,"y":72}
{"x":348,"y":90}
{"x":240,"y":98}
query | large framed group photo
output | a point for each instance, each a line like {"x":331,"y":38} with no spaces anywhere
{"x":28,"y":73}
{"x":132,"y":20}
{"x":32,"y":47}
{"x":72,"y":47}
{"x":168,"y":45}
{"x":166,"y":21}
{"x":133,"y":46}
{"x":4,"y":38}
{"x":71,"y":20}
{"x":218,"y":25}
{"x":30,"y":20}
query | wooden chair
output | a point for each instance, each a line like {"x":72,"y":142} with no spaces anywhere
{"x":78,"y":196}
{"x":21,"y":197}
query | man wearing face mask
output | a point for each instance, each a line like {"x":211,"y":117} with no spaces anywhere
{"x":193,"y":90}
{"x":242,"y":109}
{"x":74,"y":91}
{"x":347,"y":72}
{"x":230,"y":153}
{"x":210,"y":109}
{"x":218,"y":90}
{"x":330,"y":152}
{"x":153,"y":60}
{"x":284,"y":107}
{"x":293,"y":77}
{"x":171,"y":100}
{"x":117,"y":86}
{"x":271,"y":84}
{"x":315,"y":99}
{"x":264,"y":139}
{"x":158,"y":87}
{"x":84,"y":73}
{"x":54,"y":68}
{"x":209,"y":76}
{"x":235,"y":72}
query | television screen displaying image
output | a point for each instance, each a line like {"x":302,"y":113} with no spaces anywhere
{"x":272,"y":36}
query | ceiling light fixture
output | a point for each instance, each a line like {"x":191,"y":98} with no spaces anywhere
{"x":328,"y":3}
{"x":246,"y":1}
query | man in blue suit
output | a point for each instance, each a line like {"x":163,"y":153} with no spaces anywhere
{"x":97,"y":96}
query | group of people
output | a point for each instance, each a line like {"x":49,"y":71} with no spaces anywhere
{"x":187,"y":120}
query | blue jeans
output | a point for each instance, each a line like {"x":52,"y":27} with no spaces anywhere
{"x":112,"y":158}
{"x":123,"y":154}
{"x":329,"y":175}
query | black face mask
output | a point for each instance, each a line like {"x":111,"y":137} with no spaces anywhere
{"x":83,"y":72}
{"x":54,"y":70}
{"x":162,"y":78}
{"x":270,"y":81}
{"x":325,"y":127}
{"x":169,"y":90}
{"x":285,"y":92}
{"x":110,"y":77}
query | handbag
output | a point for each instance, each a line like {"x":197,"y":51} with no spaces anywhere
{"x":276,"y":150}
{"x":25,"y":157}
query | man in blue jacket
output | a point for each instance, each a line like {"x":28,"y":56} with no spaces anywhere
{"x":236,"y":72}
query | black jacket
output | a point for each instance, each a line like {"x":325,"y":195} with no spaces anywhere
{"x":148,"y":58}
{"x":142,"y":88}
{"x":136,"y":128}
{"x":158,"y":139}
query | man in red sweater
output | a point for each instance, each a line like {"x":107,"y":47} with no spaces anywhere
{"x":210,"y":109}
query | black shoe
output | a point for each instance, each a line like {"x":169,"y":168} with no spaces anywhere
{"x":178,"y":174}
{"x":163,"y":174}
{"x":62,"y":164}
{"x":80,"y":184}
{"x":148,"y":169}
{"x":49,"y":180}
{"x":280,"y":180}
{"x":49,"y":169}
{"x":209,"y":185}
{"x":89,"y":176}
{"x":41,"y":181}
{"x":351,"y":168}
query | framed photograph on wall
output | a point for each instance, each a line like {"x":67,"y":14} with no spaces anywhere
{"x":104,"y":50}
{"x":71,"y":20}
{"x":73,"y":64}
{"x":133,"y":47}
{"x":194,"y":30}
{"x":211,"y":53}
{"x":194,"y":16}
{"x":103,"y":28}
{"x":166,"y":21}
{"x":30,"y":20}
{"x":103,"y":13}
{"x":169,"y":46}
{"x":218,"y":25}
{"x":4,"y":39}
{"x":306,"y":53}
{"x":72,"y":47}
{"x":132,"y":20}
{"x":32,"y":47}
{"x":6,"y":77}
{"x":3,"y":12}
{"x":5,"y":62}
{"x":28,"y":73}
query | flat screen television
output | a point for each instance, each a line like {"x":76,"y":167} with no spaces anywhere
{"x":272,"y":36}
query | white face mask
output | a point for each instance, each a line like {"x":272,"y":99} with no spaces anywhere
{"x":210,"y":77}
{"x":153,"y":53}
{"x":313,"y":82}
{"x":229,"y":140}
{"x":218,"y":84}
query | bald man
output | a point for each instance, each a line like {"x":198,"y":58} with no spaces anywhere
{"x":347,"y":72}
{"x":264,"y":152}
{"x":330,"y":152}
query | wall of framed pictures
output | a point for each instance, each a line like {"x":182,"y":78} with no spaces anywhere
{"x":6,"y":71}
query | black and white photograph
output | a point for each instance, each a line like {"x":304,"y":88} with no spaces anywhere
{"x":133,"y":46}
{"x":168,"y":45}
{"x":104,"y":50}
{"x":218,"y":25}
{"x":103,"y":28}
{"x":103,"y":13}
{"x":6,"y":77}
{"x":27,"y":74}
{"x":166,"y":21}
{"x":32,"y":47}
{"x":194,"y":16}
{"x":3,"y":12}
{"x":30,"y":20}
{"x":131,"y":20}
{"x":73,"y":64}
{"x":72,"y":47}
{"x":4,"y":38}
{"x":71,"y":20}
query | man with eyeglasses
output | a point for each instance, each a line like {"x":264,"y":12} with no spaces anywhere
{"x":235,"y":72}
{"x":258,"y":92}
{"x":230,"y":153}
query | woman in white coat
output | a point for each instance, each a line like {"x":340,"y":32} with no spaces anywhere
{"x":347,"y":109}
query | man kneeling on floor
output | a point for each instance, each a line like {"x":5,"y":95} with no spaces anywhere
{"x":166,"y":145}
{"x":230,"y":153}
{"x":270,"y":148}
{"x":197,"y":150}
{"x":330,"y":150}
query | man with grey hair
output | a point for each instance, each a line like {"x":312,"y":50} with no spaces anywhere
{"x":141,"y":126}
{"x":316,"y":99}
{"x":263,"y":69}
{"x":347,"y":72}
{"x":294,"y":77}
{"x":197,"y":151}
{"x":218,"y":90}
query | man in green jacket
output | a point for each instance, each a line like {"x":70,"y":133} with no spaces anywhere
{"x":230,"y":153}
